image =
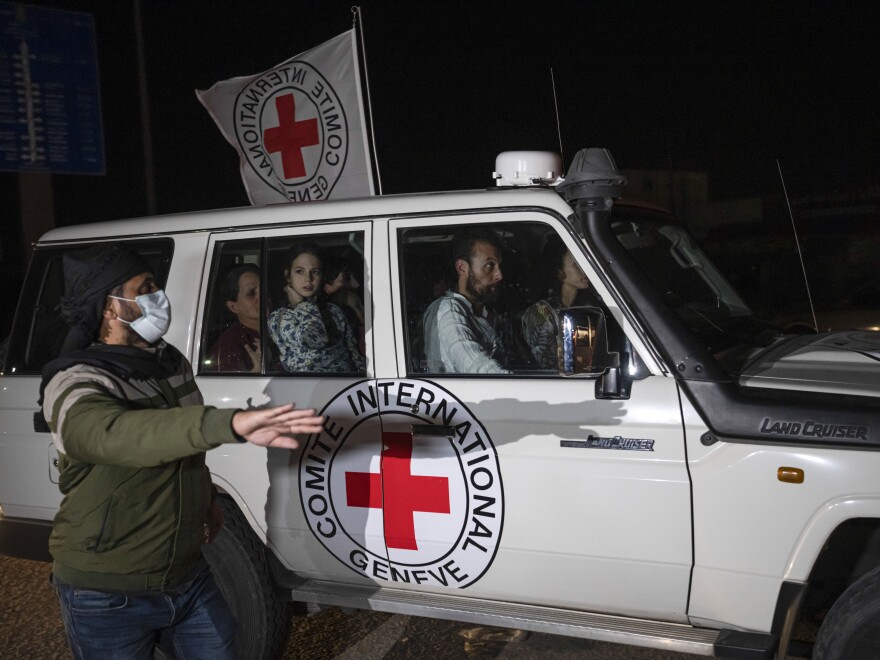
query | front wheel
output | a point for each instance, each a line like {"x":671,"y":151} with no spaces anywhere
{"x":851,"y":629}
{"x":237,"y":559}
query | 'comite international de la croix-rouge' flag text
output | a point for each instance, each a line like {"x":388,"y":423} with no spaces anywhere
{"x":299,"y":127}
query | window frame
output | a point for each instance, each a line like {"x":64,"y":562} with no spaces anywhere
{"x":217,"y":240}
{"x":34,"y":288}
{"x":494,"y":218}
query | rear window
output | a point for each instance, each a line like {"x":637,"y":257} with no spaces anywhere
{"x":39,"y":330}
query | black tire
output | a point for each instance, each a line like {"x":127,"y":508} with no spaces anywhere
{"x":851,"y":629}
{"x":237,"y":559}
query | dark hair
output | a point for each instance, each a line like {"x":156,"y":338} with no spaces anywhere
{"x":333,"y":267}
{"x":463,"y":246}
{"x":553,"y":260}
{"x":553,"y":256}
{"x":309,"y":247}
{"x":233,"y":277}
{"x":306,"y":247}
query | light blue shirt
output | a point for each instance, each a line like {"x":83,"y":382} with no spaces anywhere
{"x":459,"y":341}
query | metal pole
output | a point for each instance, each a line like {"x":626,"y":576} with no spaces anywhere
{"x":360,"y":21}
{"x":150,"y":181}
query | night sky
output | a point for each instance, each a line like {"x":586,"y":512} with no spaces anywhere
{"x":721,"y":87}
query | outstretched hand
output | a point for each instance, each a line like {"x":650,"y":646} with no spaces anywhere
{"x":275,"y":427}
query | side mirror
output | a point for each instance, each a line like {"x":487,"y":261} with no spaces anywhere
{"x":583,"y":342}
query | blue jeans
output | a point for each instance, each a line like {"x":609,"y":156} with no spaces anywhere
{"x":189,"y":622}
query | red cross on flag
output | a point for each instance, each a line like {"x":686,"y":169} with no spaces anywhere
{"x":299,"y":128}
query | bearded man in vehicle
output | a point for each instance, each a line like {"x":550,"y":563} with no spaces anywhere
{"x":460,"y":337}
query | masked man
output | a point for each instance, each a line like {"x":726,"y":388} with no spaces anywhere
{"x":127,"y":419}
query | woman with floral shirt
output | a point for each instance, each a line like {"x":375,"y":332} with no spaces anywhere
{"x":569,"y":288}
{"x":312,"y":335}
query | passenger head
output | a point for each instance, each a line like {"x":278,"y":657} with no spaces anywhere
{"x":570,"y":274}
{"x":304,"y":272}
{"x":477,"y":256}
{"x":566,"y":271}
{"x":339,"y":275}
{"x":242,"y":294}
{"x":565,"y":278}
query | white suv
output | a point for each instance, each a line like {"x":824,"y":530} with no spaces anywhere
{"x":684,"y":477}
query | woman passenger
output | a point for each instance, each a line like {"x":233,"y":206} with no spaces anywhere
{"x":567,"y":287}
{"x":312,"y":334}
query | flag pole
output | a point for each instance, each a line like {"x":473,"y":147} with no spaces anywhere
{"x":358,"y":19}
{"x":147,"y":139}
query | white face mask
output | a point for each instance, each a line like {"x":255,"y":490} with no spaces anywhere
{"x":156,"y":315}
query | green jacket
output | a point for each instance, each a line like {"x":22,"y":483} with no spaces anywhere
{"x":133,"y":475}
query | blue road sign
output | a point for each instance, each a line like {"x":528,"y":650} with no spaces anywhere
{"x":50,"y":101}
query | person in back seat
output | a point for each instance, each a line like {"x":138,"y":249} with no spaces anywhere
{"x":567,"y":286}
{"x":459,"y":335}
{"x":312,"y":334}
{"x":341,"y":287}
{"x":238,"y":347}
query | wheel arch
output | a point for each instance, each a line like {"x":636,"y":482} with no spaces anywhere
{"x":226,"y":488}
{"x":833,"y":552}
{"x":851,"y":551}
{"x":821,"y":534}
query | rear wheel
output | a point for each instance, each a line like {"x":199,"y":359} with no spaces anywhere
{"x":851,"y":629}
{"x":238,"y":561}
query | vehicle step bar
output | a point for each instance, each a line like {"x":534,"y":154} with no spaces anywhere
{"x":600,"y":627}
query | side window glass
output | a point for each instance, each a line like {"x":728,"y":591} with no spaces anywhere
{"x":286,"y":306}
{"x":39,"y":328}
{"x":493,"y":299}
{"x":317,"y":320}
{"x":234,"y":308}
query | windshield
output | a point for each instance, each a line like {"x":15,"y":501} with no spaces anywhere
{"x":689,"y":282}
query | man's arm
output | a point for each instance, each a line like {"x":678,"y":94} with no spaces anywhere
{"x":90,"y":423}
{"x":103,"y":429}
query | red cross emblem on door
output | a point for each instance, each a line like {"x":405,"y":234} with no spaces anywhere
{"x":397,"y":491}
{"x":290,"y":136}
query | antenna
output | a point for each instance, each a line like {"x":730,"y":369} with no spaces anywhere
{"x":558,"y":126}
{"x":358,"y":18}
{"x":798,"y":244}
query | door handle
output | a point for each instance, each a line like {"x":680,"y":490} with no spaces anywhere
{"x":433,"y":430}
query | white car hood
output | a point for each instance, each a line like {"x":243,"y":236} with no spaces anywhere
{"x":841,"y":362}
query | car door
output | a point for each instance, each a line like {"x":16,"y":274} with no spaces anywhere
{"x":28,"y":472}
{"x":288,"y":496}
{"x":26,"y":449}
{"x":526,"y":486}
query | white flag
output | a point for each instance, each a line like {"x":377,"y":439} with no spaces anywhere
{"x":299,"y":127}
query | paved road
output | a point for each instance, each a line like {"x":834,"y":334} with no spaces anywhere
{"x":30,"y":628}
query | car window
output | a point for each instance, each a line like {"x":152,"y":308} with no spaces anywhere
{"x":39,"y":329}
{"x":286,"y":306}
{"x":489,"y":299}
{"x":233,"y":310}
